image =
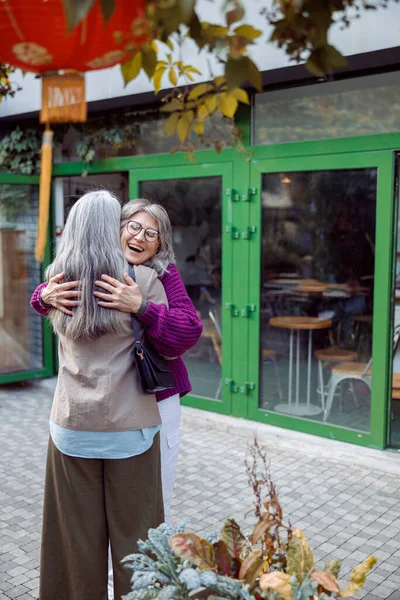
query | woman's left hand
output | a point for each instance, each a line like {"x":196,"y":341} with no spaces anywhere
{"x":126,"y":298}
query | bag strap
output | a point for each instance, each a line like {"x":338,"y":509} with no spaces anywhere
{"x":135,"y":324}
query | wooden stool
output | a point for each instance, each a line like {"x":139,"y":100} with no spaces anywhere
{"x":268,"y":354}
{"x":332,"y":355}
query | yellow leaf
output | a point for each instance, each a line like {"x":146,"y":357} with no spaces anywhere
{"x":211,"y":103}
{"x":199,"y":128}
{"x":227,"y":105}
{"x":240,"y":95}
{"x":171,"y":123}
{"x":190,"y":116}
{"x":170,"y":44}
{"x":131,"y":68}
{"x":218,"y":81}
{"x":299,"y":556}
{"x":173,"y":77}
{"x":199,"y":90}
{"x":357,"y":578}
{"x":279,"y":582}
{"x":154,"y":46}
{"x":157,"y":77}
{"x":192,"y":70}
{"x":183,"y":128}
{"x":202,"y":112}
{"x":248,"y":32}
{"x":190,"y":546}
{"x":171,"y":106}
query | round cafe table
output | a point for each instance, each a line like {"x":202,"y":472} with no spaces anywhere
{"x":298,"y":324}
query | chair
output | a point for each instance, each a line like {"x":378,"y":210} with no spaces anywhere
{"x":216,"y":339}
{"x":353,"y":370}
{"x":347,"y":370}
{"x":268,"y":354}
{"x":330,"y":355}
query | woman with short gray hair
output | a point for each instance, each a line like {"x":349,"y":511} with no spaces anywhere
{"x":103,"y":480}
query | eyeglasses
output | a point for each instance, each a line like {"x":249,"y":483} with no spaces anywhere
{"x":150,"y":234}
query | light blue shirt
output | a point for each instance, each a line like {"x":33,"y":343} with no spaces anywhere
{"x":102,"y":444}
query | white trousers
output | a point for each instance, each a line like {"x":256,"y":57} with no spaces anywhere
{"x":170,"y":413}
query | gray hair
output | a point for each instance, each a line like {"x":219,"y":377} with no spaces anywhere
{"x":165,"y":254}
{"x":90,"y":246}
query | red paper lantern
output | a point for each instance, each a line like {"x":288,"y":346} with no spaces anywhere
{"x":34,"y":35}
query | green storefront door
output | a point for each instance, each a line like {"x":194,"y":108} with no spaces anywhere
{"x":25,"y":338}
{"x":198,"y":201}
{"x":322,"y":244}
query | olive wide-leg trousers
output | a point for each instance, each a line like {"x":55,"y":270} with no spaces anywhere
{"x":87,"y":503}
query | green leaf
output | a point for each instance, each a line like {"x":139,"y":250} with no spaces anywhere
{"x":131,"y":69}
{"x":254,"y":75}
{"x":324,"y":58}
{"x":300,"y":559}
{"x":233,"y":537}
{"x":75,"y":11}
{"x":149,"y":60}
{"x":107,"y":9}
{"x":248,"y":32}
{"x":333,"y":567}
{"x":239,"y":70}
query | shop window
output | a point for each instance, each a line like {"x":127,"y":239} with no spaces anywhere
{"x":21,"y":334}
{"x":128,"y":133}
{"x":339,"y":109}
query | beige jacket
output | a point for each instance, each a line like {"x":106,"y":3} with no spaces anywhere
{"x":98,"y":387}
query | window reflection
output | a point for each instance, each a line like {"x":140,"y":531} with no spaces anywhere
{"x":21,"y":336}
{"x":194,"y":207}
{"x":317,"y":294}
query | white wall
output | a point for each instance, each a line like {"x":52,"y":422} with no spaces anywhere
{"x":375,"y":30}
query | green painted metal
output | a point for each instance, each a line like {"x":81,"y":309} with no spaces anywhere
{"x":48,"y":354}
{"x":225,"y":171}
{"x":383,"y":162}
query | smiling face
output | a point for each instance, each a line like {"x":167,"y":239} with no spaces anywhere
{"x":137,"y":250}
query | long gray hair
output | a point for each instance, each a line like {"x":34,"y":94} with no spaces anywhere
{"x":90,"y":246}
{"x":165,"y":253}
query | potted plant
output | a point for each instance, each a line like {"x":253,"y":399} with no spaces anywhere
{"x":272,"y":562}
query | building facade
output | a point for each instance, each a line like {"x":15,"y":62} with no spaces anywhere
{"x":288,"y":248}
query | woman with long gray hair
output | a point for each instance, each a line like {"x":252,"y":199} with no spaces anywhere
{"x":103,"y":481}
{"x":146,"y":239}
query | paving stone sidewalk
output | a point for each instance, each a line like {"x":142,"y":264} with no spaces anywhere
{"x":347,"y":511}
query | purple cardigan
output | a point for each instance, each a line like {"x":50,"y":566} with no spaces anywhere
{"x":172,"y":330}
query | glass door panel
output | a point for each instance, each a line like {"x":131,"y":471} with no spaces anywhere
{"x":22,"y":340}
{"x":194,"y":204}
{"x":318,"y":291}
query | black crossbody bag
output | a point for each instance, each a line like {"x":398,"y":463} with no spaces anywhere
{"x":153,"y":370}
